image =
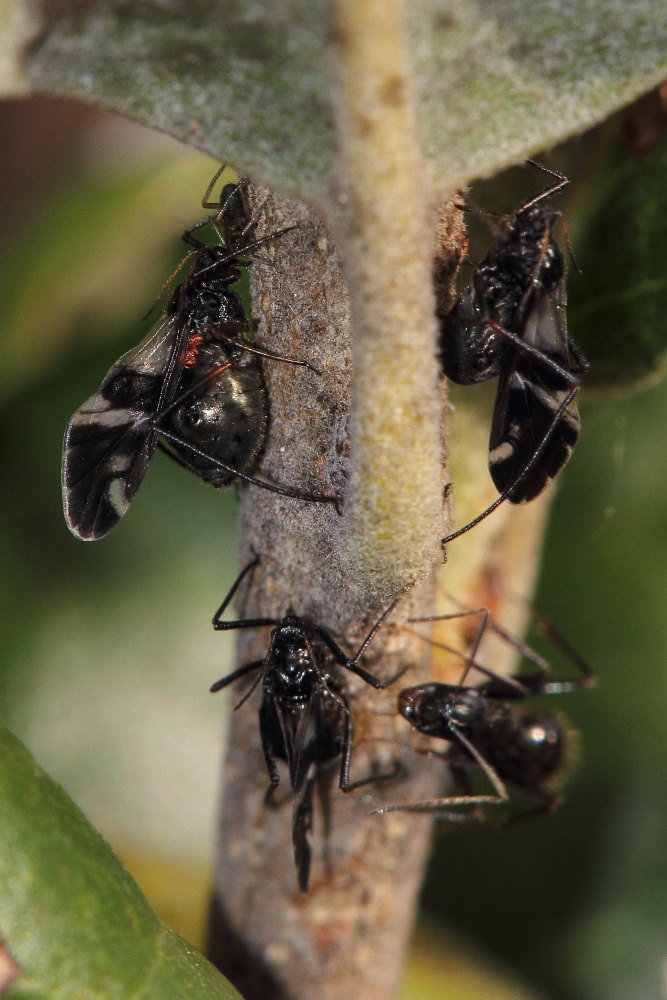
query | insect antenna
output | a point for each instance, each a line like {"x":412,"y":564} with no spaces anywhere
{"x":167,"y":284}
{"x":585,"y":678}
{"x":561,"y":182}
{"x":464,"y":613}
{"x":205,"y":203}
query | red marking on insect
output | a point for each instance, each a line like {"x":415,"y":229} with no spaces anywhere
{"x":191,"y":348}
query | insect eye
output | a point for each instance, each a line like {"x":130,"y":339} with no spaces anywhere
{"x":484,"y":358}
{"x":210,"y":302}
{"x":465,"y":709}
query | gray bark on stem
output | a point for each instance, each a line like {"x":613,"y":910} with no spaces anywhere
{"x":348,"y":934}
{"x":369,"y":426}
{"x":341,"y":937}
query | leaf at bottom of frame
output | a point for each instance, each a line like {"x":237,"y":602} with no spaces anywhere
{"x":74,"y":921}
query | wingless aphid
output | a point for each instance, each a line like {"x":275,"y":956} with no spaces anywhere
{"x":527,"y":749}
{"x":194,"y":387}
{"x":304,"y":717}
{"x":510,"y":323}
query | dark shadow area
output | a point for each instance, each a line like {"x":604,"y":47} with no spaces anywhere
{"x":229,"y":953}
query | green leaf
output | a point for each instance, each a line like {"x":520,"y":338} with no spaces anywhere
{"x":71,"y":917}
{"x":618,"y":309}
{"x":250,"y":83}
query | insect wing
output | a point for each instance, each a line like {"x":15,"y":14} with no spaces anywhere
{"x":293,"y":736}
{"x":303,"y":775}
{"x":110,"y":439}
{"x":530,"y":393}
{"x":306,"y":750}
{"x":302,"y":824}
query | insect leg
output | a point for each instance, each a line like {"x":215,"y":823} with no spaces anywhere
{"x":549,"y":804}
{"x":251,"y":349}
{"x":250,"y":567}
{"x":487,"y":622}
{"x":539,"y":355}
{"x":283,"y":491}
{"x":587,"y":677}
{"x":440,"y":806}
{"x":344,"y":783}
{"x":191,"y":240}
{"x":352,"y":664}
{"x":583,"y":364}
{"x":523,"y":685}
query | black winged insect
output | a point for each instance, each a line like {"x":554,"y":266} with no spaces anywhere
{"x":510,"y":323}
{"x":194,"y":387}
{"x":304,"y":716}
{"x":526,"y":748}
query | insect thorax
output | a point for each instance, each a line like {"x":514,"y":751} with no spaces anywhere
{"x":524,"y":255}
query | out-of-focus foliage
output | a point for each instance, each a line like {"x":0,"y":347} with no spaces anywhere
{"x":108,"y":653}
{"x":73,"y":920}
{"x":74,"y":255}
{"x":252,"y":81}
{"x":618,"y":310}
{"x":445,"y":967}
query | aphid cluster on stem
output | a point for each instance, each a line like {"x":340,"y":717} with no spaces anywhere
{"x":195,"y":389}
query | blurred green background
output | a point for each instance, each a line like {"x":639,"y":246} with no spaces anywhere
{"x":107,"y":648}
